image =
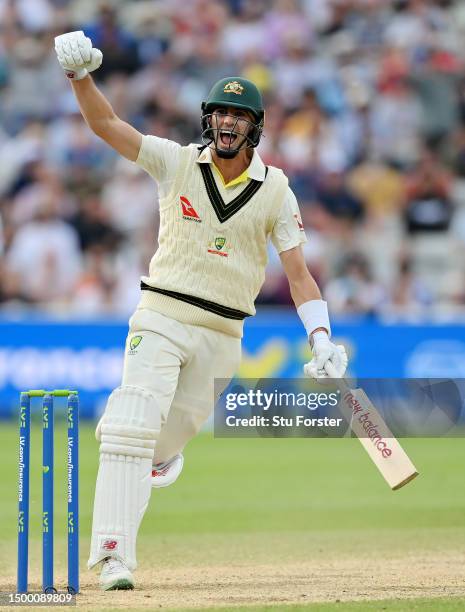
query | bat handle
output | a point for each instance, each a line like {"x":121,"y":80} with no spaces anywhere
{"x":332,"y":372}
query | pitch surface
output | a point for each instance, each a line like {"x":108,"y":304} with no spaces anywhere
{"x":253,"y":524}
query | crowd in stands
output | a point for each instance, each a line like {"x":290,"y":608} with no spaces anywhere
{"x":365,"y":112}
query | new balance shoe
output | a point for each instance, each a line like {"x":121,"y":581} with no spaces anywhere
{"x":164,"y":474}
{"x":115,"y":576}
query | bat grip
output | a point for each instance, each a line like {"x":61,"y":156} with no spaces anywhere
{"x":332,"y":372}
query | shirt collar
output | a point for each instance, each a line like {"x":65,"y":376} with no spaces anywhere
{"x":256,"y":169}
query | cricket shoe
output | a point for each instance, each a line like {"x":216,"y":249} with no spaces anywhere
{"x":115,"y":576}
{"x":164,"y":474}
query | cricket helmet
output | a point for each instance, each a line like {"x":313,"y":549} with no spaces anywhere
{"x":235,"y":92}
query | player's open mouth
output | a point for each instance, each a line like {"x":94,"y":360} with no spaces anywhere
{"x":227,"y":138}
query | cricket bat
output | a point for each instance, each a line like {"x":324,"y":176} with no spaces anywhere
{"x":374,"y":435}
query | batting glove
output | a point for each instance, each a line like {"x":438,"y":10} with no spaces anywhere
{"x":76,"y":55}
{"x":325,"y":351}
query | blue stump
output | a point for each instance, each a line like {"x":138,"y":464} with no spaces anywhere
{"x":73,"y":493}
{"x":47,"y":493}
{"x":23,"y":491}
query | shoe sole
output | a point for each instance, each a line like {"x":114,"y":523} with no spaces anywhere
{"x":156,"y":483}
{"x":123,"y":584}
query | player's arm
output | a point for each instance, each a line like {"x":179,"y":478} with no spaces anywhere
{"x":313,"y":312}
{"x":102,"y":120}
{"x":77,"y":58}
{"x":301,"y":283}
{"x":305,"y":292}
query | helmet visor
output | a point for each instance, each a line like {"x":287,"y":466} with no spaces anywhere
{"x":228,"y":133}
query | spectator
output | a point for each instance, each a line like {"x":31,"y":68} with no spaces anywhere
{"x":354,"y":290}
{"x":130,"y":185}
{"x":44,"y":260}
{"x":310,"y":137}
{"x":378,"y":186}
{"x":92,"y":225}
{"x":395,"y":122}
{"x":117,"y":45}
{"x":428,"y":206}
{"x":436,"y":81}
{"x":353,"y":89}
{"x":409,"y":294}
{"x":336,"y":197}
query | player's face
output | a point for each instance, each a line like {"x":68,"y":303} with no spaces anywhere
{"x":233,"y":124}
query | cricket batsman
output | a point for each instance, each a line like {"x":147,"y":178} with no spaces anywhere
{"x":219,"y":205}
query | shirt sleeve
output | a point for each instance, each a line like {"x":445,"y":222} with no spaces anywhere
{"x":288,"y":231}
{"x":160,"y":158}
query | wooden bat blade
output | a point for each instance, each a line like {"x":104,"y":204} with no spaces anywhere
{"x":375,"y":436}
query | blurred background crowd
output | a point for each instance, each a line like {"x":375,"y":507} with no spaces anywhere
{"x":365,"y":112}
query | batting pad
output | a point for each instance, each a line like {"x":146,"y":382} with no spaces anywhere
{"x":128,"y":434}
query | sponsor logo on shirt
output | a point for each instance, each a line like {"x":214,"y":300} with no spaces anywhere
{"x":299,"y":223}
{"x":216,"y":247}
{"x":188,"y":211}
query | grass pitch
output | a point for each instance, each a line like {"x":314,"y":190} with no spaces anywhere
{"x":259,"y":524}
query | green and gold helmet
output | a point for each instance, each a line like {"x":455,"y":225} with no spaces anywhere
{"x":235,"y":92}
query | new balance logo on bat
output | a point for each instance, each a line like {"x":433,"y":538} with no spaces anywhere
{"x":371,"y":428}
{"x":188,"y":211}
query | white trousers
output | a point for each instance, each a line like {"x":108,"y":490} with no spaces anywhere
{"x":178,"y":364}
{"x":166,"y":395}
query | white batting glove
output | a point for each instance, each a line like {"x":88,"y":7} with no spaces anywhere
{"x":325,"y":351}
{"x":76,"y":55}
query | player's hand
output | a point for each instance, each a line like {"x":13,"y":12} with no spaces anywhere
{"x":324,"y":352}
{"x":76,"y":55}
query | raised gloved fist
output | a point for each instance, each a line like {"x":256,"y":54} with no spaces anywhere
{"x":76,"y":55}
{"x":326,"y":353}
